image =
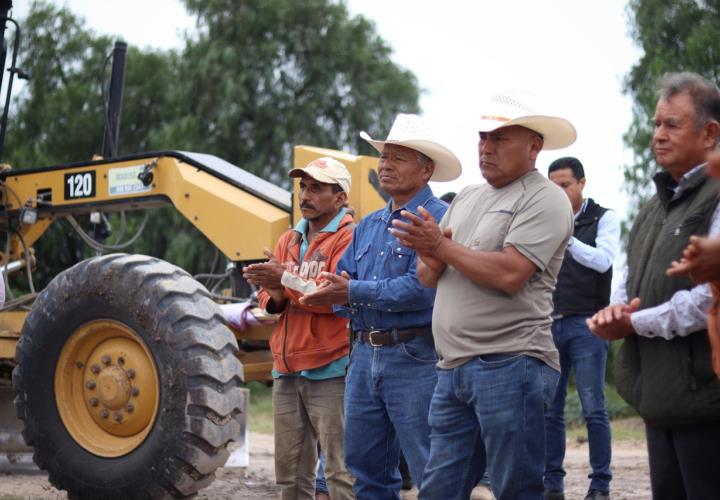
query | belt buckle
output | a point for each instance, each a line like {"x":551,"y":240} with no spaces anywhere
{"x":370,"y":338}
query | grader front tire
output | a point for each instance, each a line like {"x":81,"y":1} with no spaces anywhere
{"x":127,"y":381}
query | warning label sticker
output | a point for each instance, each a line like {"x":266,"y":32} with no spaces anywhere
{"x":125,"y":181}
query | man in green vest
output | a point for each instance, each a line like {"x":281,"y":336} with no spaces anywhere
{"x":664,"y":367}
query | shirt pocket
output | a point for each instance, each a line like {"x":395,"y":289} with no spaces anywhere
{"x":363,"y":261}
{"x":363,"y":250}
{"x":493,"y":229}
{"x":397,"y":259}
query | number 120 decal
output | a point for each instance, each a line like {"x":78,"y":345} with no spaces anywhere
{"x":80,"y":185}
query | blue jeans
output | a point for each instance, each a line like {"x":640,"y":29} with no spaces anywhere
{"x":494,"y":406}
{"x":320,"y":483}
{"x":387,"y":400}
{"x":586,"y":355}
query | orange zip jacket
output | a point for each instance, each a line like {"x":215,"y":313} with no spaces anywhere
{"x":309,"y":337}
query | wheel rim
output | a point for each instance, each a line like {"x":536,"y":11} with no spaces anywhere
{"x":107,"y":388}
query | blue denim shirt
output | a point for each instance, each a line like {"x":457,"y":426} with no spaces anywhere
{"x":384,"y":290}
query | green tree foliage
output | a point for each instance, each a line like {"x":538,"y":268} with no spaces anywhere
{"x":57,"y":118}
{"x":259,"y":77}
{"x":61,"y":94}
{"x":264,"y":75}
{"x":675,"y":36}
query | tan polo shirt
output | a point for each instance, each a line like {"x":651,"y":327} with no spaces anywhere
{"x":533,"y":215}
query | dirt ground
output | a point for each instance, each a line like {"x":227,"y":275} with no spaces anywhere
{"x":630,"y":470}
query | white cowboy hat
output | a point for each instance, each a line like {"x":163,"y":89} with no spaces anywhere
{"x":520,"y":108}
{"x":410,"y":131}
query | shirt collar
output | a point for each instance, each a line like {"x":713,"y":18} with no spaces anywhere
{"x":687,"y":178}
{"x":668,"y":190}
{"x":411,"y":206}
{"x":331,"y":227}
{"x":582,"y":208}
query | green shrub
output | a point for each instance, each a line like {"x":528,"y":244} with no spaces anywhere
{"x":261,"y":415}
{"x":616,"y":406}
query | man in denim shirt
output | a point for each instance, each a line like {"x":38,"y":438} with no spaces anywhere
{"x":392,"y":374}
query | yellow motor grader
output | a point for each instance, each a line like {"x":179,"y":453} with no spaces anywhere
{"x":126,"y":378}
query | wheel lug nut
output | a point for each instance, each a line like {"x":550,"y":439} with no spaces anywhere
{"x":79,"y":364}
{"x":90,"y":384}
{"x":131,"y":373}
{"x":94,"y":401}
{"x":106,"y":359}
{"x":130,"y":407}
{"x":105,"y":413}
{"x":118,"y":416}
{"x":135,"y":391}
{"x":95,"y":368}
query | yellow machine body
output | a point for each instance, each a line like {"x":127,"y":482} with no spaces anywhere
{"x":238,"y":212}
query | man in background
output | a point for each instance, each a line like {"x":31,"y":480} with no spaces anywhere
{"x":583,"y":288}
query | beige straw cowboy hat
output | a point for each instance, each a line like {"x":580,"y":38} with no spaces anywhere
{"x":411,"y":131}
{"x":519,"y":108}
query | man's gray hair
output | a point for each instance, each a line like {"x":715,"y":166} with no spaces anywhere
{"x":422,"y":158}
{"x":705,"y":94}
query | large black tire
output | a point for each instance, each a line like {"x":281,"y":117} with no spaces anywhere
{"x":199,"y":399}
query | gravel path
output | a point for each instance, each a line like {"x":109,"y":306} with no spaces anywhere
{"x":630,"y":471}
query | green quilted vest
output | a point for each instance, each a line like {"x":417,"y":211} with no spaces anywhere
{"x":670,"y":383}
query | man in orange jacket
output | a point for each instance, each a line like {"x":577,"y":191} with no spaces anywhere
{"x":310,"y":345}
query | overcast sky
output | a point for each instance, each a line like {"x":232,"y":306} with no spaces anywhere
{"x":572,"y":53}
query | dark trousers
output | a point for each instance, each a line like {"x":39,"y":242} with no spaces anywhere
{"x":685,"y":462}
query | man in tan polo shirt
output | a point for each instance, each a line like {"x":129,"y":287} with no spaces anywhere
{"x":494,"y":259}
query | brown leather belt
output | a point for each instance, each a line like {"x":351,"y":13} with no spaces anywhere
{"x":380,"y":338}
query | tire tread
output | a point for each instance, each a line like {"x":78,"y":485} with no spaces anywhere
{"x":206,"y":355}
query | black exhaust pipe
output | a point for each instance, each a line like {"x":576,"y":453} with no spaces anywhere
{"x":5,"y":6}
{"x":114,"y":105}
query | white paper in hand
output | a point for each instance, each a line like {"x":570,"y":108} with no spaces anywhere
{"x":298,"y":284}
